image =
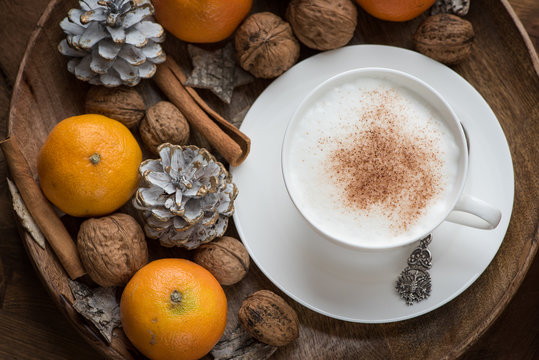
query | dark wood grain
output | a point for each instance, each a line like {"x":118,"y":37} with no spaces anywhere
{"x":2,"y":284}
{"x":34,"y":328}
{"x":527,"y":13}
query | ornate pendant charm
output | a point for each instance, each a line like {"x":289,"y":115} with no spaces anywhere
{"x":414,"y":283}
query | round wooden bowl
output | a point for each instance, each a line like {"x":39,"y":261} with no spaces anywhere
{"x":503,"y":68}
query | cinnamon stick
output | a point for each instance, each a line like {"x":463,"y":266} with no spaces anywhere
{"x":42,"y":212}
{"x":232,"y":144}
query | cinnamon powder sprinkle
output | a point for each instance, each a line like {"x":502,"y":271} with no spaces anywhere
{"x":379,"y":164}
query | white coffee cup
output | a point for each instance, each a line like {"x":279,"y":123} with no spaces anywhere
{"x":310,"y":146}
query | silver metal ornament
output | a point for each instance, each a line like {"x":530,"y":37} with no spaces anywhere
{"x":414,"y":283}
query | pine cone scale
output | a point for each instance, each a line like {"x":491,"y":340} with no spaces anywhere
{"x":147,"y":70}
{"x":73,"y":28}
{"x":74,"y":15}
{"x":135,"y":38}
{"x":150,"y":29}
{"x":136,"y":16}
{"x":132,"y":55}
{"x":93,"y":15}
{"x":108,"y":50}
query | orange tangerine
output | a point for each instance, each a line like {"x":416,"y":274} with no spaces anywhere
{"x":201,"y":21}
{"x":173,"y":309}
{"x":88,"y":165}
{"x":395,"y":10}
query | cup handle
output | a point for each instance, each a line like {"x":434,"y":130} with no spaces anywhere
{"x":472,"y":205}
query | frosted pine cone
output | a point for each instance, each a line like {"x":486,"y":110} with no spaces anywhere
{"x":457,"y":7}
{"x":187,"y":196}
{"x":112,"y":42}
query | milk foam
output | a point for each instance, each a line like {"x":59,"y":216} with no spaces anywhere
{"x":331,"y":136}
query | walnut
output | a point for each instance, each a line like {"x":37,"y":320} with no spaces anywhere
{"x":445,"y":37}
{"x":164,"y":123}
{"x":112,"y":248}
{"x":265,"y":45}
{"x":322,"y":24}
{"x":268,"y":318}
{"x":226,"y":258}
{"x":122,"y":103}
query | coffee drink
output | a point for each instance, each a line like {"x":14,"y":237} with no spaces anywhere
{"x":371,"y":161}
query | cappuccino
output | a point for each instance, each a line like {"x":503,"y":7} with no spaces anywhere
{"x":371,"y":161}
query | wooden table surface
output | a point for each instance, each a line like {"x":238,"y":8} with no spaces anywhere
{"x":31,"y":327}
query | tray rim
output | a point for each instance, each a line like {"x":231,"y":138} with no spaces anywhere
{"x":108,"y":351}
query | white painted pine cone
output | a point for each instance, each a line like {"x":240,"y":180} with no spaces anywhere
{"x":112,"y":42}
{"x":457,"y":7}
{"x":187,"y":196}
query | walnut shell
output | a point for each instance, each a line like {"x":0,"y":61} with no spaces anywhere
{"x":445,"y":37}
{"x":164,"y":123}
{"x":112,"y":248}
{"x":265,"y":45}
{"x":322,"y":24}
{"x":269,"y":319}
{"x":121,"y":103}
{"x":226,"y":258}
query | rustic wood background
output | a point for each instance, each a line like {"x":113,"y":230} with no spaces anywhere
{"x":31,"y":327}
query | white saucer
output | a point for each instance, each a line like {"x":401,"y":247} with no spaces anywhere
{"x":348,"y":284}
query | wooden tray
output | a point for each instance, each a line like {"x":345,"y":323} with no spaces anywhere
{"x":503,"y":67}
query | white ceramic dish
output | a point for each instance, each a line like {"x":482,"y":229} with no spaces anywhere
{"x":422,"y":91}
{"x":353,"y":285}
